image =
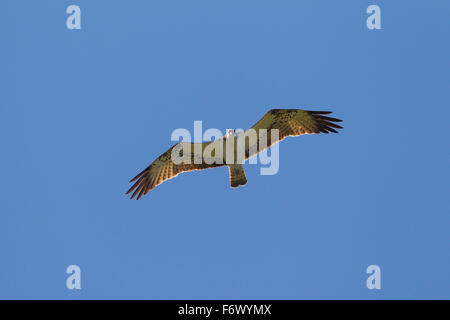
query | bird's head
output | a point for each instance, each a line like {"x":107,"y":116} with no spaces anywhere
{"x":230,"y":133}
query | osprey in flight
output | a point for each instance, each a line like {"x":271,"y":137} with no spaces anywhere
{"x":286,"y":122}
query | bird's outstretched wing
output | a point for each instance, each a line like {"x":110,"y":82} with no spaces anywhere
{"x":163,"y":168}
{"x":289,"y":122}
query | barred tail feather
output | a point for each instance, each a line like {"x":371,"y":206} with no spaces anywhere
{"x":237,"y":175}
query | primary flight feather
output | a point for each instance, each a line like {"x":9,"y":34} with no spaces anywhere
{"x":287,"y":122}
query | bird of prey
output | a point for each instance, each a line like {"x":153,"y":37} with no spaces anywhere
{"x":287,"y":122}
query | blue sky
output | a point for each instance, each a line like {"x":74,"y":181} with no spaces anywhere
{"x":82,"y":111}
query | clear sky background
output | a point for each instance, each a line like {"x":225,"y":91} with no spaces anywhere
{"x":83,"y":111}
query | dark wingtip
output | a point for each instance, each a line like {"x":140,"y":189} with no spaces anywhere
{"x":326,"y":124}
{"x":328,"y":118}
{"x":319,"y":112}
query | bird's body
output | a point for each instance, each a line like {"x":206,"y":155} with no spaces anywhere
{"x":230,"y":150}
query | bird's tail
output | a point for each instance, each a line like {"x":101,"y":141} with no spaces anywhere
{"x":237,"y":175}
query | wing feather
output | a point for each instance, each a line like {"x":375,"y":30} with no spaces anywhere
{"x":162,"y":169}
{"x":290,"y":122}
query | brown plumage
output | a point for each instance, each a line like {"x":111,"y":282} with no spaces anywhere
{"x":160,"y":170}
{"x":292,"y":122}
{"x":289,"y":122}
{"x":237,"y":175}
